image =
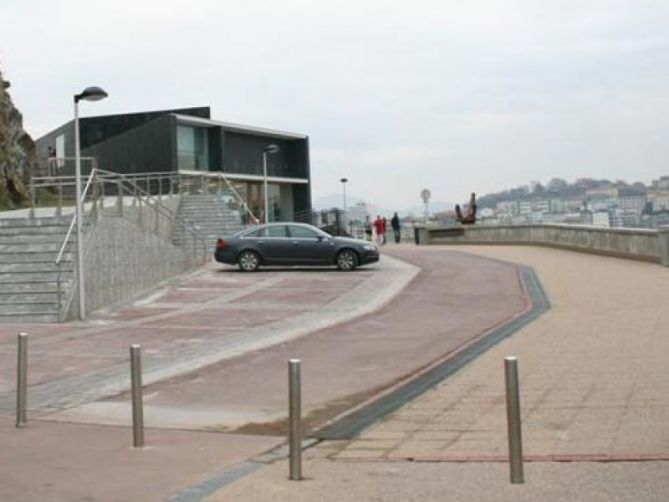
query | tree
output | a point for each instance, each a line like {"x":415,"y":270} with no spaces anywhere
{"x":557,"y":185}
{"x":537,"y":188}
{"x":17,"y":153}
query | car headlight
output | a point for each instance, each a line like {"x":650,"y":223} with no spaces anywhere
{"x":369,"y":247}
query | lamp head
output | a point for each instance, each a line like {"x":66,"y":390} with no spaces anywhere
{"x":271,"y":149}
{"x":344,"y":180}
{"x":91,"y":94}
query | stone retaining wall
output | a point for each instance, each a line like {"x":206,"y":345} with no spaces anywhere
{"x":640,"y":244}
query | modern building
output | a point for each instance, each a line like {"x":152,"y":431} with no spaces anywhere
{"x":188,"y":141}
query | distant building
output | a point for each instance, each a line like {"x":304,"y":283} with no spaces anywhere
{"x":524,"y":207}
{"x":358,"y":213}
{"x":631,"y":201}
{"x":660,"y":201}
{"x":661,"y":184}
{"x":601,"y":219}
{"x":624,"y":218}
{"x":509,"y":207}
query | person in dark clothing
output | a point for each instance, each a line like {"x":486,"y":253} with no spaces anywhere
{"x":469,"y":218}
{"x":395,"y":223}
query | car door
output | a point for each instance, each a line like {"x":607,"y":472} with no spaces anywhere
{"x":275,"y":246}
{"x":311,"y":246}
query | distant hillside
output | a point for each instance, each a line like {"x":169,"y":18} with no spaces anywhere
{"x":556,"y":188}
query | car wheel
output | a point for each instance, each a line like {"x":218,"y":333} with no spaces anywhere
{"x":248,"y":261}
{"x":347,"y":260}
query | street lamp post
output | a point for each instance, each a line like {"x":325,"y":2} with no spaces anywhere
{"x":343,"y":185}
{"x":267,"y":150}
{"x":88,"y":94}
{"x":343,"y":218}
{"x":425,"y":195}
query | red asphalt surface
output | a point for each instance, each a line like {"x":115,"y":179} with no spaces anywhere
{"x":454,"y":299}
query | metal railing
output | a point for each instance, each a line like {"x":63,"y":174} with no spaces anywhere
{"x":58,"y":191}
{"x":120,"y":195}
{"x":206,"y":182}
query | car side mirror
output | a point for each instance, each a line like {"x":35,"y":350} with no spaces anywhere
{"x":320,"y":238}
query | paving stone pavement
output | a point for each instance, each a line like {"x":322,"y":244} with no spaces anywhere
{"x":593,"y":384}
{"x":594,"y":373}
{"x":210,"y":316}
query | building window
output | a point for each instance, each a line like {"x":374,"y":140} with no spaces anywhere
{"x":192,"y":148}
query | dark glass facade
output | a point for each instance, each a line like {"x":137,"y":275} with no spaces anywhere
{"x":188,"y":140}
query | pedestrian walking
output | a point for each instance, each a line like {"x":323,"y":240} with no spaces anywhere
{"x":368,"y":228}
{"x":395,"y":223}
{"x":385,"y":227}
{"x":380,"y":229}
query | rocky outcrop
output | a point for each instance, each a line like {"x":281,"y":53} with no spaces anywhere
{"x":17,"y":153}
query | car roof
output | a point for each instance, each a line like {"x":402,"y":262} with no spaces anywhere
{"x":277,"y":224}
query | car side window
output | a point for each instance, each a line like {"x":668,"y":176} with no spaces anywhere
{"x":277,"y":231}
{"x":302,"y":232}
{"x":259,"y":232}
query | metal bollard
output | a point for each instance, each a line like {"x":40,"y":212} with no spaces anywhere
{"x":294,"y":420}
{"x":513,"y":420}
{"x":22,"y":381}
{"x":137,"y":399}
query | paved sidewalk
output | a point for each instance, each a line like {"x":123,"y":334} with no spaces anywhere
{"x":343,"y":365}
{"x":454,"y":299}
{"x":207,"y":317}
{"x":594,"y":373}
{"x":594,"y":384}
{"x":57,"y":462}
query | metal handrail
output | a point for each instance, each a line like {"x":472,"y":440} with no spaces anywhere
{"x":59,"y":276}
{"x":74,"y":220}
{"x":60,"y":181}
{"x":239,"y":198}
{"x":156,"y":204}
{"x":219,"y":175}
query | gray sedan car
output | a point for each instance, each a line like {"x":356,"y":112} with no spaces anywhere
{"x":293,"y":244}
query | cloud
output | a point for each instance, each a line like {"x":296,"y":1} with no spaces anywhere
{"x":395,"y":95}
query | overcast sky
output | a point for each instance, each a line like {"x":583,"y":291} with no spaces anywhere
{"x":453,"y":96}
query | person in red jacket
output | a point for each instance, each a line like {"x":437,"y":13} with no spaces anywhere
{"x":380,"y":228}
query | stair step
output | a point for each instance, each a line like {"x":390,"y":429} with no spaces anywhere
{"x":28,"y":308}
{"x":29,"y":277}
{"x":34,"y":230}
{"x":26,"y":296}
{"x":33,"y":257}
{"x":37,"y":222}
{"x":34,"y":317}
{"x":11,"y":282}
{"x":34,"y":247}
{"x":25,"y":267}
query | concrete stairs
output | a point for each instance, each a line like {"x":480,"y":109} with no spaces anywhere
{"x":211,"y":217}
{"x":28,"y":273}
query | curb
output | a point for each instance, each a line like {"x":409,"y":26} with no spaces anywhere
{"x":354,"y":422}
